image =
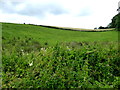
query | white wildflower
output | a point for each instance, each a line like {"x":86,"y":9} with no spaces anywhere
{"x":68,"y":48}
{"x":22,"y":50}
{"x":43,"y":49}
{"x":30,"y":64}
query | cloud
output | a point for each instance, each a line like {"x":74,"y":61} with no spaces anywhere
{"x":42,"y":10}
{"x":66,"y":13}
{"x":32,"y":9}
{"x":9,"y":7}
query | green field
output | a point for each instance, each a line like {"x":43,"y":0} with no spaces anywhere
{"x":41,"y":57}
{"x":51,"y":36}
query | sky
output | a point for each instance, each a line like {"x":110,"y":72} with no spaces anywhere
{"x":65,"y":13}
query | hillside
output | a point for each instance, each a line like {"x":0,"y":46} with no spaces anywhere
{"x":51,"y":35}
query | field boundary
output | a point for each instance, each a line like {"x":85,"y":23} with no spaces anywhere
{"x":78,"y":29}
{"x":70,"y":28}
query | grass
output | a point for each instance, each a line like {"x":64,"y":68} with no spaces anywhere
{"x":41,"y":57}
{"x":43,"y":34}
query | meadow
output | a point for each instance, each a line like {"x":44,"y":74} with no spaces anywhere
{"x":41,"y":57}
{"x":53,"y":36}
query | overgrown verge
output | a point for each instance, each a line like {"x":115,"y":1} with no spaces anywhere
{"x":28,"y":64}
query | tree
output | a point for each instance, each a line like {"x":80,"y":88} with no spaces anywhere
{"x":95,"y":28}
{"x":118,"y":22}
{"x":101,"y":27}
{"x":115,"y":22}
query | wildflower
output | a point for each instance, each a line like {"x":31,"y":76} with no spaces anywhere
{"x":43,"y":49}
{"x":22,"y":50}
{"x":68,"y":48}
{"x":30,"y":64}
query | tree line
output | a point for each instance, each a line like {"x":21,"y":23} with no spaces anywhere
{"x":115,"y":22}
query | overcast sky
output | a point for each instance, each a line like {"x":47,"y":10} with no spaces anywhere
{"x":65,"y":13}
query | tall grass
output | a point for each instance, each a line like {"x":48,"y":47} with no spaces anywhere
{"x":28,"y":64}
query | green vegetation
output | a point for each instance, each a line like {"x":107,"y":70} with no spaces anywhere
{"x":40,"y":57}
{"x":51,"y":36}
{"x":115,"y":22}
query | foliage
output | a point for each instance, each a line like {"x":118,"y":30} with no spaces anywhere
{"x":28,"y":62}
{"x":65,"y":65}
{"x":101,"y":27}
{"x":115,"y":22}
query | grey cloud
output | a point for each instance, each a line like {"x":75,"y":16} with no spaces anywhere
{"x":41,"y":10}
{"x":30,"y":9}
{"x":8,"y":7}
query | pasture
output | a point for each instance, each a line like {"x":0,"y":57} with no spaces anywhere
{"x":52,"y":36}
